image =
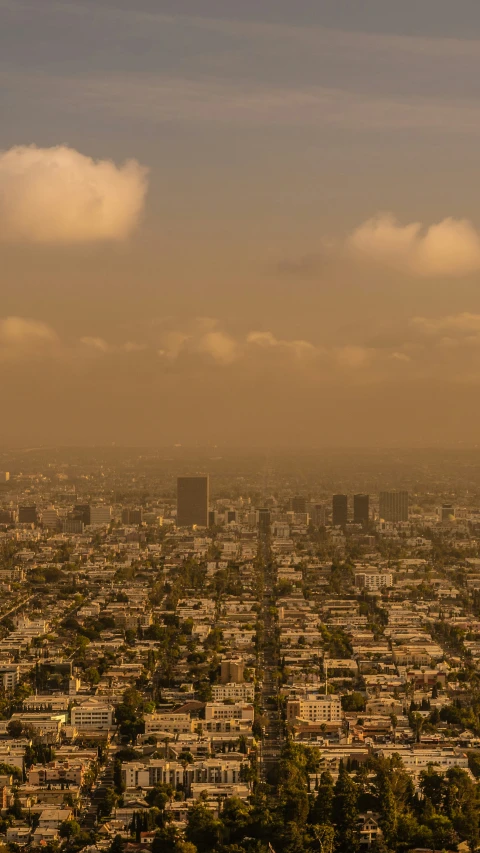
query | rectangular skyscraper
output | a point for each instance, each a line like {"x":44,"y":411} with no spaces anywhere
{"x":393,"y":506}
{"x":339,"y":510}
{"x":192,"y":501}
{"x":361,"y":509}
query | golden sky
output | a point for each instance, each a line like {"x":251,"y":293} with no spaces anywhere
{"x":246,"y":223}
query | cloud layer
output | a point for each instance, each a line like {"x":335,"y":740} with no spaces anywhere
{"x":449,"y":248}
{"x":57,"y":195}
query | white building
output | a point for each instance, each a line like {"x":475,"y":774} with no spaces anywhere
{"x":238,"y":692}
{"x":373,"y":580}
{"x":322,"y":709}
{"x":92,"y":715}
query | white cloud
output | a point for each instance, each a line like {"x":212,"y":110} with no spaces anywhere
{"x":460,"y":324}
{"x":221,"y":347}
{"x":353,"y":357}
{"x":57,"y":195}
{"x":20,"y":337}
{"x":449,"y":248}
{"x":98,"y":344}
{"x":267,"y":340}
{"x":172,"y":344}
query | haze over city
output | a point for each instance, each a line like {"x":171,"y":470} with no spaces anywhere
{"x":249,"y":223}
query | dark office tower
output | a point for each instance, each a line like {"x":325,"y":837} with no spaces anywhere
{"x":132,"y":516}
{"x":27,"y":515}
{"x":339,"y":510}
{"x":263,"y":516}
{"x":319,"y":515}
{"x":361,"y":509}
{"x":393,"y":506}
{"x":232,"y":516}
{"x":192,"y":501}
{"x":212,"y":518}
{"x":82,"y":511}
{"x":298,"y":504}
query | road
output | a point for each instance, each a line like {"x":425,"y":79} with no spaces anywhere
{"x":269,"y":660}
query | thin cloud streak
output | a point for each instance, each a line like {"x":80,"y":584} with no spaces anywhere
{"x":158,"y":98}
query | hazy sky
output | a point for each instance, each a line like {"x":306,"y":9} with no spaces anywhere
{"x":240,"y":221}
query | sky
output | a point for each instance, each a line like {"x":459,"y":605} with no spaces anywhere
{"x":246,"y":223}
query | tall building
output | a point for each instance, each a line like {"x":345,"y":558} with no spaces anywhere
{"x":339,"y":510}
{"x":132,"y":516}
{"x":393,"y":506}
{"x":27,"y":514}
{"x":361,"y":509}
{"x":100,"y":514}
{"x":232,"y":670}
{"x":298,"y":504}
{"x":51,"y":519}
{"x":82,"y":511}
{"x":263,"y":520}
{"x":73,"y":525}
{"x":4,"y":476}
{"x":192,"y":501}
{"x":447,"y":514}
{"x":318,"y":515}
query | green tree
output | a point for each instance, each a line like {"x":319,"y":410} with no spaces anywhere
{"x":345,"y":812}
{"x":202,"y":829}
{"x":321,"y":811}
{"x":117,"y":845}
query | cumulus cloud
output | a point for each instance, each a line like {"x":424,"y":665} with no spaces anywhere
{"x":267,"y":340}
{"x":98,"y":344}
{"x":57,"y":195}
{"x":449,"y":248}
{"x":459,"y":324}
{"x":221,"y":347}
{"x":353,"y":356}
{"x":20,"y":336}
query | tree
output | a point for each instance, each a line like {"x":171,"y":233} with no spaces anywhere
{"x":117,"y":845}
{"x":388,"y":811}
{"x":166,"y":839}
{"x":235,"y":817}
{"x":69,"y":828}
{"x":353,"y":702}
{"x":432,"y":787}
{"x":321,"y":811}
{"x":14,"y":728}
{"x":202,"y":828}
{"x":345,"y":813}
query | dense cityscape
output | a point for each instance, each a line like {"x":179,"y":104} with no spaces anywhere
{"x":193,"y":658}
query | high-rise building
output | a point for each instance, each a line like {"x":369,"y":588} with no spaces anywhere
{"x":72,"y":525}
{"x":232,"y":671}
{"x":192,"y":501}
{"x":4,"y":476}
{"x":27,"y":514}
{"x":318,"y":515}
{"x":447,"y":514}
{"x":361,"y":509}
{"x":298,"y":504}
{"x":132,"y":516}
{"x":339,"y":510}
{"x":50,"y":518}
{"x":82,"y":511}
{"x":393,"y":506}
{"x":263,"y":520}
{"x":100,"y":514}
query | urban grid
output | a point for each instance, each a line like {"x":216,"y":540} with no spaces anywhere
{"x":235,"y":661}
